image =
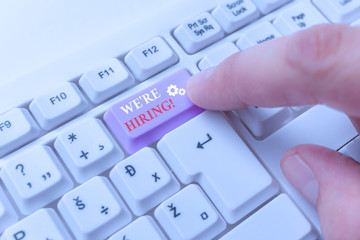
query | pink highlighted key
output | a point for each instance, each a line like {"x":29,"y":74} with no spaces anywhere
{"x":145,"y":117}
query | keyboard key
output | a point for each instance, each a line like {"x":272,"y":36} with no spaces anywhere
{"x":106,"y":80}
{"x":17,"y":127}
{"x":142,"y":228}
{"x":233,"y":14}
{"x":206,"y":150}
{"x":280,"y":219}
{"x":299,"y":17}
{"x":94,"y":210}
{"x":35,"y":178}
{"x":8,"y":215}
{"x":144,"y":184}
{"x":343,"y":11}
{"x":267,"y":6}
{"x":198,"y":33}
{"x":145,"y":117}
{"x":43,"y":224}
{"x":352,"y":149}
{"x":58,"y":106}
{"x":263,"y":122}
{"x":217,"y":56}
{"x":88,"y":149}
{"x":308,"y":128}
{"x":150,"y":58}
{"x":189,"y":215}
{"x":259,"y":33}
{"x":300,"y":109}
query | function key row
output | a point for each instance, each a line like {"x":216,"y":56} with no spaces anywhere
{"x":205,"y":29}
{"x":112,"y":77}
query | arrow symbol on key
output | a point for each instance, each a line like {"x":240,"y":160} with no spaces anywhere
{"x":201,"y":145}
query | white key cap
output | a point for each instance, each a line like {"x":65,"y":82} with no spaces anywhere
{"x":262,"y":122}
{"x":352,"y":149}
{"x":308,"y":128}
{"x":8,"y":215}
{"x":17,"y":127}
{"x":208,"y":151}
{"x":143,"y":180}
{"x":150,"y":58}
{"x":356,"y":23}
{"x":93,"y":210}
{"x":106,"y":80}
{"x":142,"y":228}
{"x":198,"y":33}
{"x":57,"y":106}
{"x":35,"y":178}
{"x":217,"y":56}
{"x":339,"y":11}
{"x":280,"y":219}
{"x":189,"y":215}
{"x":259,"y":33}
{"x":298,"y":109}
{"x":43,"y":224}
{"x":301,"y":16}
{"x":233,"y":14}
{"x":266,"y":6}
{"x":88,"y":149}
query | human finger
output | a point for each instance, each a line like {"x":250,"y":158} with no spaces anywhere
{"x":319,"y":65}
{"x":331,"y":181}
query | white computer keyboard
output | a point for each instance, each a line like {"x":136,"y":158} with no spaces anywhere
{"x":121,"y":153}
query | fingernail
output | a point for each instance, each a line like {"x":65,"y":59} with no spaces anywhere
{"x":207,"y":73}
{"x":201,"y":76}
{"x":301,"y":177}
{"x":195,"y":83}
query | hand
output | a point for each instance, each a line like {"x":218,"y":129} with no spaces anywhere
{"x":319,"y":65}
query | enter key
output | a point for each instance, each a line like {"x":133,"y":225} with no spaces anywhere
{"x":146,"y":116}
{"x":206,"y":150}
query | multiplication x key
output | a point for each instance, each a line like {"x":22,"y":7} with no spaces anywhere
{"x":143,"y":180}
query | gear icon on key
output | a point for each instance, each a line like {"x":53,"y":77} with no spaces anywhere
{"x":182,"y":91}
{"x":172,"y":90}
